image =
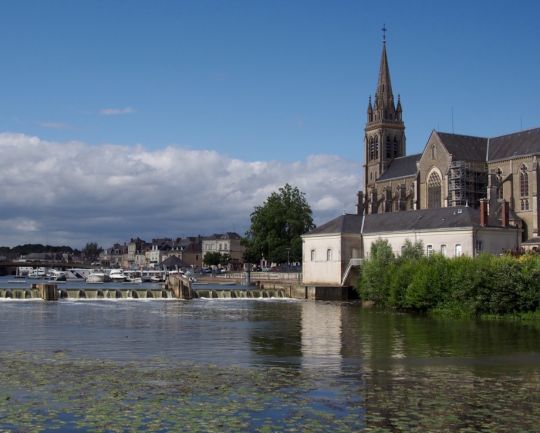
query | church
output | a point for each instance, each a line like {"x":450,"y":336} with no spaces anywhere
{"x":461,"y":195}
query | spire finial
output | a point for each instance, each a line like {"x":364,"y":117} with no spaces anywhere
{"x":384,"y":30}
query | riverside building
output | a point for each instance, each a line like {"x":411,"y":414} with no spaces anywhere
{"x":461,"y":195}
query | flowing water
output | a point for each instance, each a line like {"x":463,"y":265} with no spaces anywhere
{"x":267,"y":365}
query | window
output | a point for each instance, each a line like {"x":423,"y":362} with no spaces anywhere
{"x":434,"y":190}
{"x":433,"y":154}
{"x":396,"y":146}
{"x":312,"y":255}
{"x":479,"y":246}
{"x":524,"y":204}
{"x":328,"y":255}
{"x":523,"y":181}
{"x":388,"y":147}
{"x":458,"y":251}
{"x":443,"y":249}
{"x":388,"y":200}
{"x":429,"y":250}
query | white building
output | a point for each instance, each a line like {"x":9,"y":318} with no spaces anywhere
{"x":330,"y":251}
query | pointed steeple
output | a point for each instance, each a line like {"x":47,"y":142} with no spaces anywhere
{"x":384,"y":97}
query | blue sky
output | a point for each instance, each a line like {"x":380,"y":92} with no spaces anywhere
{"x":256,"y":81}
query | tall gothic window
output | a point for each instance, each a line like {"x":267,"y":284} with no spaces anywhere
{"x":388,"y":200}
{"x":434,"y":191}
{"x":388,"y":147}
{"x":396,"y":146}
{"x":376,"y":144}
{"x":523,"y":181}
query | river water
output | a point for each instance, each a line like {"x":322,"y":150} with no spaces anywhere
{"x":260,"y":366}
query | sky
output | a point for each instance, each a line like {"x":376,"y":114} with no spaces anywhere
{"x":171,"y":118}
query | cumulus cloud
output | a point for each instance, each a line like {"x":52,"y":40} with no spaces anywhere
{"x":73,"y":193}
{"x":116,"y":111}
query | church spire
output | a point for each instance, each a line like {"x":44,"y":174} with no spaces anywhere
{"x":384,"y":96}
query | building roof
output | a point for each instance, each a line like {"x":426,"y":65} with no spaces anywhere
{"x":424,"y":219}
{"x":518,"y":143}
{"x":173,"y":262}
{"x":401,"y":167}
{"x":464,"y":147}
{"x":347,"y":223}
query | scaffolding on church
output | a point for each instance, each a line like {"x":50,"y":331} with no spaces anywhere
{"x":467,"y":183}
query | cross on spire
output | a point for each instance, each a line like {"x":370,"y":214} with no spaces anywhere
{"x":384,"y":30}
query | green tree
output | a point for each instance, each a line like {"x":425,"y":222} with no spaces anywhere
{"x":412,"y":251}
{"x":212,"y":258}
{"x":277,"y":226}
{"x":91,"y":251}
{"x":377,"y":270}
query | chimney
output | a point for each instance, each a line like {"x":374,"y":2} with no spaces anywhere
{"x":504,"y":213}
{"x":483,"y":212}
{"x":359,"y":203}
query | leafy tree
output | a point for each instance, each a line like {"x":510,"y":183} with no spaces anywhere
{"x":412,"y":251}
{"x":91,"y":251}
{"x":212,"y":258}
{"x":277,"y":226}
{"x":225,"y":259}
{"x":377,"y":271}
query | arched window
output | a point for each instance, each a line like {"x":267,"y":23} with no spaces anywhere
{"x":434,"y":191}
{"x":523,"y":181}
{"x":376,"y":145}
{"x":396,"y":146}
{"x":433,"y":154}
{"x":388,"y":200}
{"x":388,"y":147}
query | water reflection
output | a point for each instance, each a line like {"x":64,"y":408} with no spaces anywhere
{"x":386,"y":371}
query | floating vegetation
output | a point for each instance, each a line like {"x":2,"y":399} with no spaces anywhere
{"x":53,"y":393}
{"x":43,"y":393}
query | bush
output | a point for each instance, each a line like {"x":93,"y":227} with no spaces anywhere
{"x":460,"y":286}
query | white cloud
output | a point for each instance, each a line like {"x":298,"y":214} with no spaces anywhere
{"x":116,"y":111}
{"x":72,"y":192}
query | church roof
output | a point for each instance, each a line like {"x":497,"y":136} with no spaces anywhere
{"x":401,"y":167}
{"x":464,"y":147}
{"x":424,"y":219}
{"x":348,"y":223}
{"x":518,"y":143}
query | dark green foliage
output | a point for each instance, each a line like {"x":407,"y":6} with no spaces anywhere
{"x":91,"y":251}
{"x":460,"y":286}
{"x":212,"y":258}
{"x":376,"y":273}
{"x":277,"y":227}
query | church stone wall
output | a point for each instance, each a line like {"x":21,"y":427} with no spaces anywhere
{"x":434,"y":157}
{"x":509,"y":175}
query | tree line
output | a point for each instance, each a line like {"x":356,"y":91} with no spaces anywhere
{"x":464,"y":286}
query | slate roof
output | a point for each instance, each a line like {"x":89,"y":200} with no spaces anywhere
{"x":518,"y":143}
{"x":424,"y":219}
{"x":464,"y":147}
{"x":173,"y":262}
{"x":348,"y":223}
{"x":401,"y":167}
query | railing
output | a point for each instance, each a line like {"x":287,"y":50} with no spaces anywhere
{"x":352,"y":263}
{"x":262,"y":276}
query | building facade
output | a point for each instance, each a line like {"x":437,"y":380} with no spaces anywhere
{"x":453,"y":169}
{"x":462,"y":195}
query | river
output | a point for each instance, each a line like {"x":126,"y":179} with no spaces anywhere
{"x":271,"y":365}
